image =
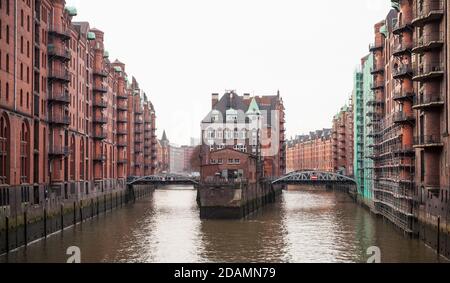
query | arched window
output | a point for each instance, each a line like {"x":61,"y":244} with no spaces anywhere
{"x":72,"y":157}
{"x":4,"y":150}
{"x":24,"y":153}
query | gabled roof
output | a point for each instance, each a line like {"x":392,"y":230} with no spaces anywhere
{"x":253,"y":109}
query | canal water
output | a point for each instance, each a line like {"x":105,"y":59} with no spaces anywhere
{"x":302,"y":226}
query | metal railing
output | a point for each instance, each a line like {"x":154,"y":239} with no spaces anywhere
{"x":59,"y":31}
{"x":100,"y":104}
{"x":403,"y":117}
{"x":425,"y":10}
{"x":59,"y":97}
{"x":60,"y":52}
{"x":63,"y":75}
{"x":61,"y":119}
{"x":401,"y":47}
{"x":101,"y":89}
{"x":402,"y":94}
{"x":377,"y":84}
{"x":59,"y":150}
{"x":427,"y":140}
{"x":402,"y":70}
{"x":100,"y":120}
{"x":427,"y":39}
{"x":428,"y":68}
{"x":428,"y":99}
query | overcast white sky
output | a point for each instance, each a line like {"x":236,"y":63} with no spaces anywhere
{"x":181,"y":51}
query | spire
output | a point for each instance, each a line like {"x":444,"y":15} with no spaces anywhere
{"x":164,"y":136}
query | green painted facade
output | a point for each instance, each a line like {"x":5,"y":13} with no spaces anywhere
{"x":363,"y":98}
{"x":358,"y":108}
{"x":369,"y":96}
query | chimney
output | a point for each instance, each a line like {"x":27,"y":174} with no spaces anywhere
{"x":214,"y":99}
{"x":246,"y":96}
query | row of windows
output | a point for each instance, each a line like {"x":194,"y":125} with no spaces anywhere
{"x":238,"y":147}
{"x":5,"y":140}
{"x":221,"y":161}
{"x":229,"y":134}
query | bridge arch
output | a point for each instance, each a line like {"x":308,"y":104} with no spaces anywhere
{"x":314,"y":177}
{"x":162,"y":180}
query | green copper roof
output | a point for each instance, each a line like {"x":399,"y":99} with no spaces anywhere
{"x":72,"y":11}
{"x":106,"y":54}
{"x":395,"y":4}
{"x":117,"y":69}
{"x":253,"y":108}
{"x":91,"y":36}
{"x":384,"y":30}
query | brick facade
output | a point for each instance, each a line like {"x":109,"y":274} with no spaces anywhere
{"x":310,"y":152}
{"x":68,"y":115}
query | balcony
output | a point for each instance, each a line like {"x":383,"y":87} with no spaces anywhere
{"x":100,"y":120}
{"x":138,"y":121}
{"x":405,"y":150}
{"x":376,"y":46}
{"x":402,"y":72}
{"x":432,"y":10}
{"x":428,"y":142}
{"x":122,"y":96}
{"x":100,"y":104}
{"x":60,"y":53}
{"x":400,"y":28}
{"x":59,"y":32}
{"x":375,"y":102}
{"x":428,"y":42}
{"x":122,"y":132}
{"x":402,"y":48}
{"x":429,"y":71}
{"x":377,"y":69}
{"x":100,"y":73}
{"x":138,"y":112}
{"x":401,"y":95}
{"x":62,"y":97}
{"x":57,"y":151}
{"x":428,"y":102}
{"x":100,"y":89}
{"x":122,"y":120}
{"x":99,"y":157}
{"x":122,"y":144}
{"x":100,"y":135}
{"x":402,"y":117}
{"x":377,"y":85}
{"x":59,"y":75}
{"x":121,"y":107}
{"x":59,"y":119}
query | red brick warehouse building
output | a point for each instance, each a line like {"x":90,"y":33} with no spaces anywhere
{"x":72,"y":124}
{"x":310,"y":152}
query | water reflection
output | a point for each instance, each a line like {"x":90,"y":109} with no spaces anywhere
{"x":303,"y":226}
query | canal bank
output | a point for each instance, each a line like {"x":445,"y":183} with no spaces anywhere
{"x":24,"y":228}
{"x":301,"y":226}
{"x":432,"y":231}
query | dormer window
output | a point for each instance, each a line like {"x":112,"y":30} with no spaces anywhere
{"x":232,"y":115}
